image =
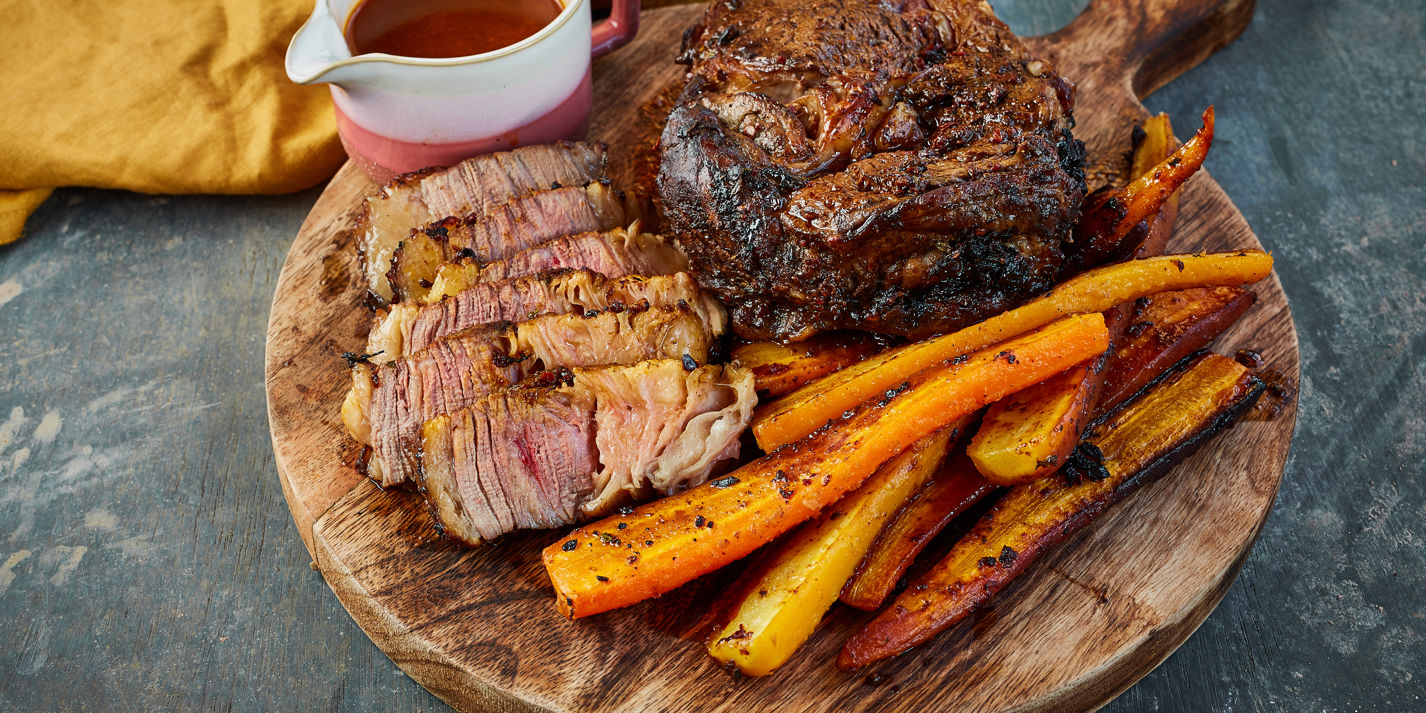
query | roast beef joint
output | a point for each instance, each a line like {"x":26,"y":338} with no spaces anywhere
{"x":903,"y":167}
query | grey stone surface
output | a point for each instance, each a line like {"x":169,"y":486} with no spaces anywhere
{"x":148,"y":561}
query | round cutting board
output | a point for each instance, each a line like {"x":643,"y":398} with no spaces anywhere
{"x":478,"y":626}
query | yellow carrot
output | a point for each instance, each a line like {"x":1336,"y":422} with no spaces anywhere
{"x":786,"y":598}
{"x":1030,"y":434}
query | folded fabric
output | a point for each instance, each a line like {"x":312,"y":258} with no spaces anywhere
{"x":158,"y":96}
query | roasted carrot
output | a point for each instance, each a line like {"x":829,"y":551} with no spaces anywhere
{"x":1102,"y":230}
{"x":953,"y":490}
{"x":1165,"y":329}
{"x":778,"y":369}
{"x":1029,"y":434}
{"x":808,"y":408}
{"x":1155,"y":145}
{"x":1138,"y":444}
{"x":785,"y":598}
{"x":1144,"y":196}
{"x":661,"y":545}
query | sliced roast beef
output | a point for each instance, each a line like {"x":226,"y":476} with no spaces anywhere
{"x":516,"y":459}
{"x":611,"y":253}
{"x":547,"y":456}
{"x":502,"y":231}
{"x":409,"y":326}
{"x":661,"y":430}
{"x":388,"y":402}
{"x":472,"y":186}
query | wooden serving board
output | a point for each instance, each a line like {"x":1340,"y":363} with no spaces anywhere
{"x":478,"y":626}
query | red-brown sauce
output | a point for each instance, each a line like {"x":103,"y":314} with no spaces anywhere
{"x":445,"y":28}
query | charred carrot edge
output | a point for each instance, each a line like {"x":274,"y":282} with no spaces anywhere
{"x":1144,"y":196}
{"x":1155,"y":143}
{"x":656,"y":547}
{"x":1165,"y":330}
{"x":1140,"y":443}
{"x":778,"y":369}
{"x":783,"y":601}
{"x":954,"y":489}
{"x":1103,"y":228}
{"x":808,"y":408}
{"x":1157,"y":146}
{"x":1030,"y":434}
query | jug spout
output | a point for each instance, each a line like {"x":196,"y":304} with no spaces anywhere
{"x":319,"y":49}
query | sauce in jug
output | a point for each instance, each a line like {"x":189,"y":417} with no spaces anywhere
{"x":445,"y":28}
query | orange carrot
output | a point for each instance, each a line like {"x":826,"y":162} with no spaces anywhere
{"x":808,"y":408}
{"x":1156,"y":146}
{"x":1152,"y":189}
{"x":659,"y":546}
{"x":1103,"y":230}
{"x":1154,"y":143}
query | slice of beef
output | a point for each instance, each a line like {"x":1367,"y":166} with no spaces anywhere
{"x":611,"y":253}
{"x":388,"y":402}
{"x":548,"y":456}
{"x":502,"y":231}
{"x":516,"y":459}
{"x":662,"y":431}
{"x":904,"y":168}
{"x":409,"y":326}
{"x":473,"y":186}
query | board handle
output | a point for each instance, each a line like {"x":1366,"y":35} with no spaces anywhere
{"x":1155,"y":41}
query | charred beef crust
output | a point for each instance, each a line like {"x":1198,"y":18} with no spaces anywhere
{"x":904,"y":169}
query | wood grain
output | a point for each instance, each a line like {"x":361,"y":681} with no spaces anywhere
{"x":478,"y":628}
{"x":315,"y":319}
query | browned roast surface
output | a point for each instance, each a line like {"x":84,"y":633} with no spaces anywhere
{"x":897,"y":167}
{"x":611,"y":253}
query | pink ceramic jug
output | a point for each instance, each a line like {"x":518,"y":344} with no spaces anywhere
{"x":401,"y":114}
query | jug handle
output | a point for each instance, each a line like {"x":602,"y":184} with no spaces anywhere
{"x":616,"y":31}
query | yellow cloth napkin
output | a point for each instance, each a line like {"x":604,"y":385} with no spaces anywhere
{"x":159,"y":96}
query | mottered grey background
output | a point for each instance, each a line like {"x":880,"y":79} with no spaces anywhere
{"x":148,"y":560}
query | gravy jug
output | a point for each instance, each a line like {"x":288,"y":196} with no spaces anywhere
{"x":400,"y":114}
